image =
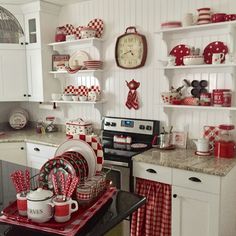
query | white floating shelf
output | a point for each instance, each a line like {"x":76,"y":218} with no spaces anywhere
{"x":199,"y":107}
{"x":199,"y":66}
{"x":96,"y":42}
{"x":198,"y":27}
{"x":80,"y":72}
{"x":80,"y":102}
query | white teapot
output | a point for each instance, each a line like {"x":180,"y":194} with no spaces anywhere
{"x":39,"y":205}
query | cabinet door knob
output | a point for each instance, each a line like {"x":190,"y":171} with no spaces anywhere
{"x":22,"y":148}
{"x":36,"y":149}
{"x":25,"y":95}
{"x":195,"y":179}
{"x":151,"y":171}
{"x":174,"y":195}
{"x":21,"y":43}
{"x":26,"y":43}
{"x":29,"y":95}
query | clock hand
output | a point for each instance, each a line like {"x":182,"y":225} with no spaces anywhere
{"x":128,"y":52}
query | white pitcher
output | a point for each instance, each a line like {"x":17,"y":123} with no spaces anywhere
{"x":203,"y":145}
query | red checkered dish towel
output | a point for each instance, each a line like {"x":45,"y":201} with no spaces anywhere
{"x":154,"y":218}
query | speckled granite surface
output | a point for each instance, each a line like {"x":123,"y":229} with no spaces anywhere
{"x":187,"y":160}
{"x":50,"y":139}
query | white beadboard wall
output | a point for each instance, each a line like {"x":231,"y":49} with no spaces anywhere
{"x":146,"y":15}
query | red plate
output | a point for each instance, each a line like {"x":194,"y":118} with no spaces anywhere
{"x":214,"y":47}
{"x":179,"y":52}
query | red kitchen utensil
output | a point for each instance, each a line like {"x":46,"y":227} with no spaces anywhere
{"x":72,"y":187}
{"x":214,"y":47}
{"x":67,"y":183}
{"x":27,"y":180}
{"x":55,"y":184}
{"x":62,"y":183}
{"x":179,"y":52}
{"x":15,"y":181}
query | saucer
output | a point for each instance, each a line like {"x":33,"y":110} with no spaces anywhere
{"x":203,"y":153}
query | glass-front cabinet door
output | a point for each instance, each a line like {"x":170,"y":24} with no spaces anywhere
{"x":32,"y":31}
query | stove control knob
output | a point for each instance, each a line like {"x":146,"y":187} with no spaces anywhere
{"x":113,"y":124}
{"x":107,"y":124}
{"x":148,"y":127}
{"x":141,"y":127}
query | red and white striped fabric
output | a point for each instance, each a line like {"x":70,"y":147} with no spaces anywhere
{"x":132,"y":100}
{"x":83,"y":90}
{"x":154,"y":218}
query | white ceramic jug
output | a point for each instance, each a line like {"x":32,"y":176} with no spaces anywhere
{"x":203,"y":145}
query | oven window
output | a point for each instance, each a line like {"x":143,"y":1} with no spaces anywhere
{"x":114,"y":175}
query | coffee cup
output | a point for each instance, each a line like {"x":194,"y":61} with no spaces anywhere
{"x":21,"y":204}
{"x":217,"y":58}
{"x":63,"y":209}
{"x":188,"y":19}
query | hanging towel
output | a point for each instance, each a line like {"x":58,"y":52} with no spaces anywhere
{"x":154,"y":218}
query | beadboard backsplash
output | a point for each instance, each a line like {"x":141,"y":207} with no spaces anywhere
{"x":147,"y":16}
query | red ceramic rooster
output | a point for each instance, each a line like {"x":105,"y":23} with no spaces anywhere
{"x":132,"y":98}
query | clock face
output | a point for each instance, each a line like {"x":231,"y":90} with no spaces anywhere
{"x":131,"y":51}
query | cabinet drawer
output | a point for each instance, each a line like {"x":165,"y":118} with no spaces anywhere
{"x":152,"y":172}
{"x":196,"y":181}
{"x":40,"y":150}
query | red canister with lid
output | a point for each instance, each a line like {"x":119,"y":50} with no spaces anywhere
{"x":225,"y":145}
{"x":221,"y":97}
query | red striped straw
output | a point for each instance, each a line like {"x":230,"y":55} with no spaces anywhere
{"x":15,"y":182}
{"x":55,"y":184}
{"x":62,"y":182}
{"x":73,"y":185}
{"x":67,"y":184}
{"x":27,"y":180}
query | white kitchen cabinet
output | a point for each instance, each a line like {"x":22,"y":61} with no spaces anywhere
{"x":38,"y":33}
{"x":13,"y":84}
{"x":13,"y":152}
{"x":194,"y":213}
{"x":202,"y":204}
{"x":38,"y":154}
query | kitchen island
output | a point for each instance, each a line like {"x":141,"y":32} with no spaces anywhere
{"x":119,"y":207}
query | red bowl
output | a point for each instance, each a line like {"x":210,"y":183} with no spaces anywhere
{"x":218,"y":17}
{"x":230,"y":17}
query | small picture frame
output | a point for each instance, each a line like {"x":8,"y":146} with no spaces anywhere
{"x":60,"y":62}
{"x":179,"y":139}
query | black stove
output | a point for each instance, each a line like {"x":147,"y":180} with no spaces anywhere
{"x":123,"y":138}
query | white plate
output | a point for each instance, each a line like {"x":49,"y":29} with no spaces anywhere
{"x":77,"y":59}
{"x":83,"y":148}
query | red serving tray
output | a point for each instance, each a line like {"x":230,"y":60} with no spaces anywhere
{"x":70,"y":228}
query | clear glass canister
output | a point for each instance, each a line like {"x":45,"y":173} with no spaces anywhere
{"x":225,"y":144}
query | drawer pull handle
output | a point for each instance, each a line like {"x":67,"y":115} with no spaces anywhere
{"x":195,"y":179}
{"x":36,"y":149}
{"x":151,"y":171}
{"x":174,"y":195}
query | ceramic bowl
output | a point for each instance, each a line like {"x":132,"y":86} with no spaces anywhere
{"x":205,"y":10}
{"x":75,"y":98}
{"x":67,"y":97}
{"x":169,"y":97}
{"x":56,"y":96}
{"x":83,"y":98}
{"x":230,"y":17}
{"x":218,"y":17}
{"x":193,"y":60}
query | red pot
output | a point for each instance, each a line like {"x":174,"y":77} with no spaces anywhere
{"x":218,"y":17}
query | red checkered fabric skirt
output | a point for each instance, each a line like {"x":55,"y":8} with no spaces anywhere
{"x":154,"y":218}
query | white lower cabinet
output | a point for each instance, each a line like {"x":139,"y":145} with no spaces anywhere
{"x":194,"y":213}
{"x":13,"y":152}
{"x":202,"y":204}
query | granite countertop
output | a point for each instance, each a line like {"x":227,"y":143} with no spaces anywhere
{"x":30,"y":135}
{"x":187,"y":160}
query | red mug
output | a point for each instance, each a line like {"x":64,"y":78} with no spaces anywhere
{"x":21,"y":204}
{"x":63,"y":209}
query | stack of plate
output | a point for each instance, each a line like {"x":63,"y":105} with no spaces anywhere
{"x":171,"y":24}
{"x":204,"y":16}
{"x":93,"y":64}
{"x":18,"y":118}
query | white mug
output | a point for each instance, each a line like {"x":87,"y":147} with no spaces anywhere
{"x":203,"y":145}
{"x":171,"y":61}
{"x":188,"y":19}
{"x":63,"y":209}
{"x":217,"y":57}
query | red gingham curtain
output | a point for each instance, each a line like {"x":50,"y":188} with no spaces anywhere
{"x":153,"y":218}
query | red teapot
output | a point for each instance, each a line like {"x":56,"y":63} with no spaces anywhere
{"x":132,"y":85}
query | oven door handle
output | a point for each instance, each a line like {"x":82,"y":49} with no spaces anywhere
{"x":151,"y":171}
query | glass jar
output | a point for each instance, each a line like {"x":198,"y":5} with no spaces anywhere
{"x":225,"y":144}
{"x":60,"y":35}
